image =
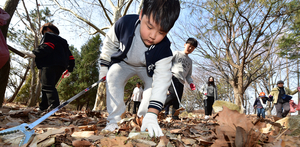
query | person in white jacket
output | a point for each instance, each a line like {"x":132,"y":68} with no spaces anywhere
{"x":138,"y":45}
{"x":210,"y":94}
{"x":137,"y":97}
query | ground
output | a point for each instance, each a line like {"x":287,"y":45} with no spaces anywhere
{"x":83,"y":128}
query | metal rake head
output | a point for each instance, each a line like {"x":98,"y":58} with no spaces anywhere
{"x":21,"y":128}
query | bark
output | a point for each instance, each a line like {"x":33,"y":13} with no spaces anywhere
{"x":32,"y":101}
{"x":10,"y":7}
{"x":100,"y":103}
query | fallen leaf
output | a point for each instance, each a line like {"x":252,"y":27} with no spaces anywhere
{"x":188,"y":141}
{"x":81,"y":143}
{"x":176,"y":131}
{"x":82,"y":134}
{"x":47,"y":142}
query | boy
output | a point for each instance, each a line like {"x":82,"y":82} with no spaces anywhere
{"x":181,"y":70}
{"x":137,"y":45}
{"x":53,"y":57}
{"x":260,"y":104}
{"x":137,"y":97}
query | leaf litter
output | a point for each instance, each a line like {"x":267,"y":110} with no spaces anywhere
{"x":83,"y":128}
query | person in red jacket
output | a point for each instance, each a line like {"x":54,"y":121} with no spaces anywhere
{"x":4,"y":57}
{"x":54,"y":58}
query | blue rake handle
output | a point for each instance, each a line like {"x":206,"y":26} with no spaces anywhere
{"x":28,"y":129}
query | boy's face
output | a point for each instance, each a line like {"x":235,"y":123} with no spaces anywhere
{"x":188,"y":48}
{"x":47,"y":30}
{"x":151,"y":32}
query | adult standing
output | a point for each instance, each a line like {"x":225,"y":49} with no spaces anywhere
{"x":137,"y":97}
{"x":210,"y":94}
{"x":280,"y":96}
{"x":4,"y":57}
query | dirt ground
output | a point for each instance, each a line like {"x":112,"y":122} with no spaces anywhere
{"x":83,"y":128}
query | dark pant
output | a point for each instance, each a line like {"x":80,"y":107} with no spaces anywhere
{"x":4,"y":73}
{"x":167,"y":108}
{"x":136,"y":105}
{"x":261,"y":111}
{"x":285,"y":107}
{"x":50,"y":76}
{"x":172,"y":98}
{"x":208,"y":105}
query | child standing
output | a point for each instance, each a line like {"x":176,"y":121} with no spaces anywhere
{"x":137,"y":45}
{"x":260,"y":104}
{"x":53,"y":57}
{"x":137,"y":97}
{"x":181,"y":70}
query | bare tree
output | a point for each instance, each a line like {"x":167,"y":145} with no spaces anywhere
{"x":107,"y":11}
{"x":234,"y":34}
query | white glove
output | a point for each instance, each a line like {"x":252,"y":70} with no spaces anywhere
{"x":28,"y":54}
{"x":103,"y":71}
{"x":66,"y":74}
{"x":150,"y":122}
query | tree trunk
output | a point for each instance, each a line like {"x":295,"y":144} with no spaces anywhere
{"x":87,"y":104}
{"x":33,"y":86}
{"x":100,"y":103}
{"x":38,"y":87}
{"x":10,"y":7}
{"x":19,"y":87}
{"x":287,"y":74}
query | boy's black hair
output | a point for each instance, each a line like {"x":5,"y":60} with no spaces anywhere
{"x":192,"y":41}
{"x":139,"y":83}
{"x":51,"y":27}
{"x":164,"y":12}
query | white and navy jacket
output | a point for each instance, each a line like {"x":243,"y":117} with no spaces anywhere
{"x":158,"y":57}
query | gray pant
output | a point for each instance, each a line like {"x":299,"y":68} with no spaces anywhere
{"x":285,"y":107}
{"x":117,"y":77}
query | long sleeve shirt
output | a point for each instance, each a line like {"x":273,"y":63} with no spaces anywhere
{"x":182,"y":67}
{"x":4,"y":53}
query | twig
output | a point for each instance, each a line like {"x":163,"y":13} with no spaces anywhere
{"x":280,"y":135}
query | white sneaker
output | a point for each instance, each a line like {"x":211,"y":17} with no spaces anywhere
{"x":110,"y":127}
{"x":206,"y":117}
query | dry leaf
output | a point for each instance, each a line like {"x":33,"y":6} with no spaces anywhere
{"x":79,"y":143}
{"x":82,"y":134}
{"x":176,"y":131}
{"x":188,"y":141}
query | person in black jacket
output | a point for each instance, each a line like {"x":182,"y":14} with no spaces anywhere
{"x":54,"y":58}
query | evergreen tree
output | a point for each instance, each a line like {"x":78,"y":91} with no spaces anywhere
{"x":290,"y":42}
{"x":86,"y":72}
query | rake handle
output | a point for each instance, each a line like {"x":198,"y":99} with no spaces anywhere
{"x":35,"y":123}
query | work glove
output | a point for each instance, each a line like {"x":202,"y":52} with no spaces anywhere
{"x":103,"y":71}
{"x":205,"y":93}
{"x":28,"y":54}
{"x":150,"y":122}
{"x":66,"y":74}
{"x":193,"y":87}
